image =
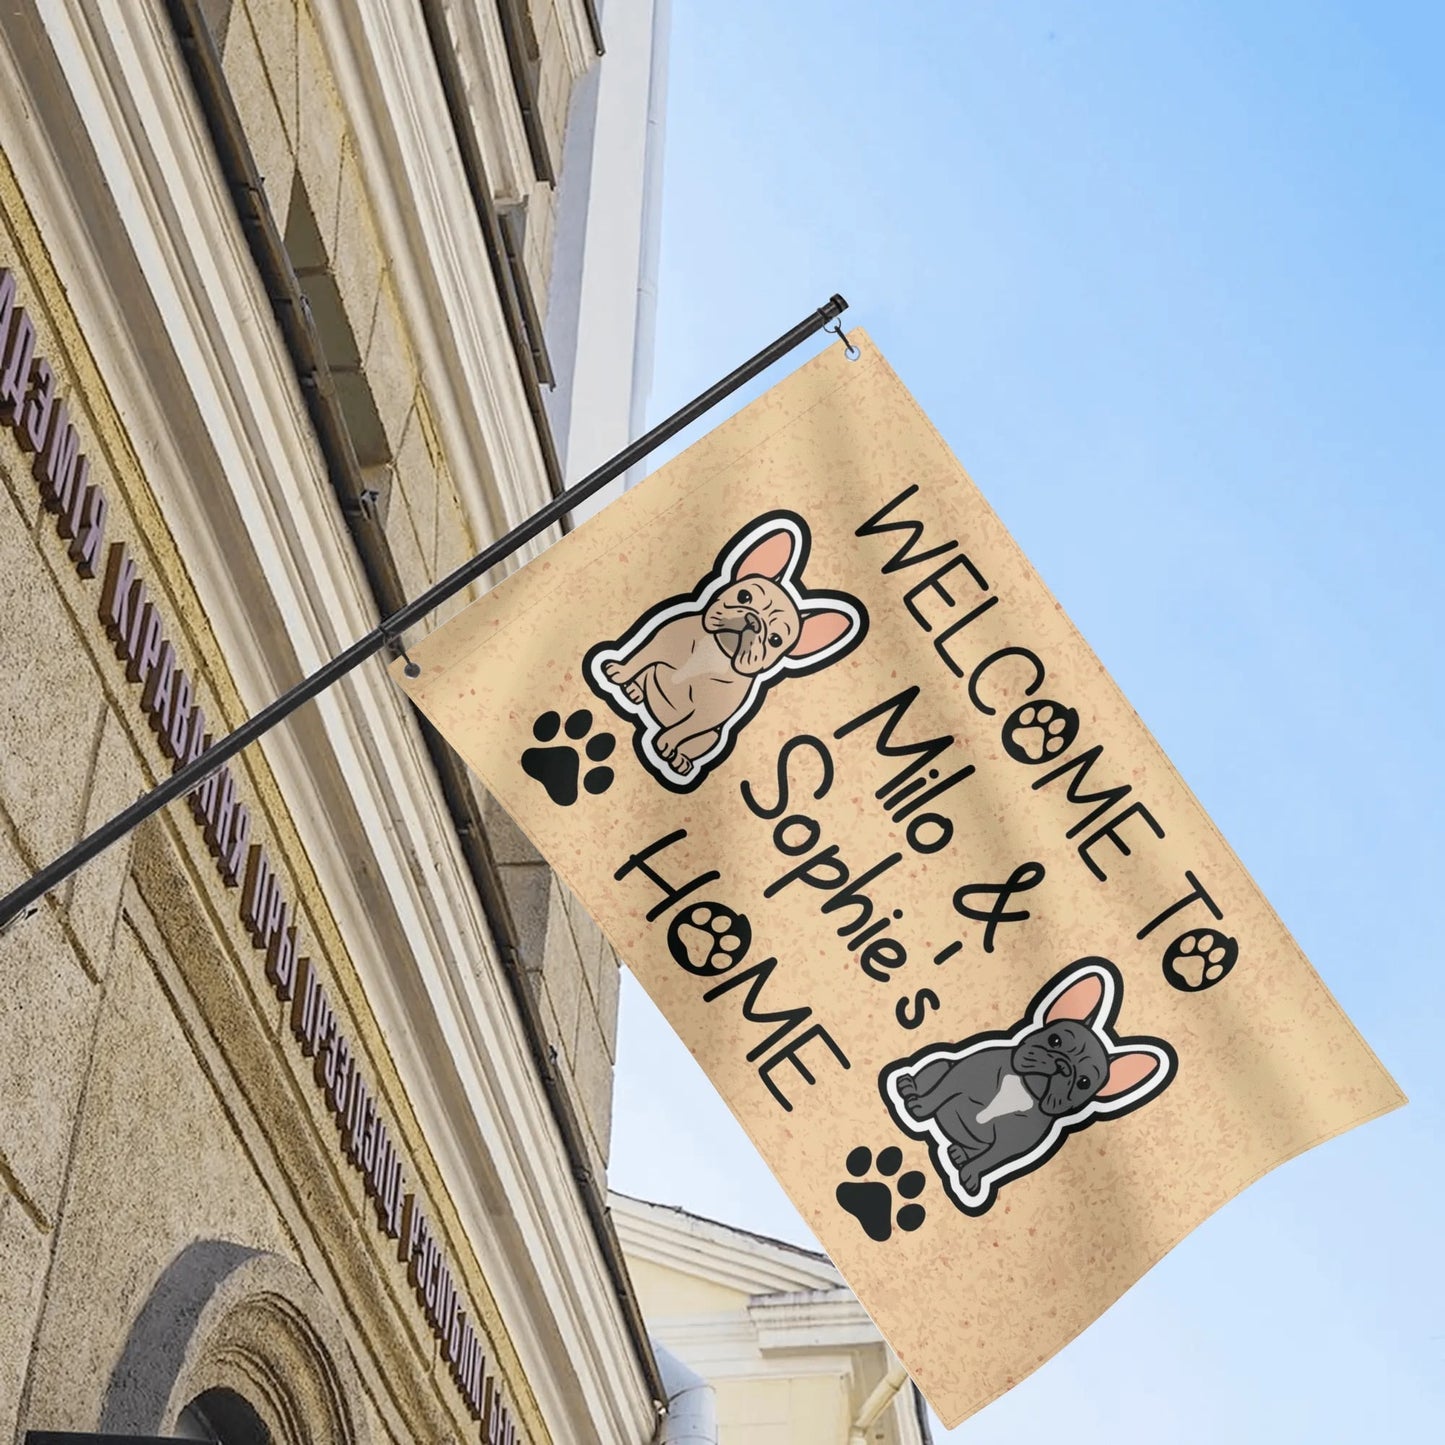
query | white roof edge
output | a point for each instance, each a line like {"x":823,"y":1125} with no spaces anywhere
{"x":737,"y":1258}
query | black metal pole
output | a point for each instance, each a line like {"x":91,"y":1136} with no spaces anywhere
{"x":223,"y":749}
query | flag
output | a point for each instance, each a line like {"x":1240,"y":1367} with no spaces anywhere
{"x":805,"y":733}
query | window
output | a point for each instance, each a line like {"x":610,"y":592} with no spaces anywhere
{"x":222,"y":1417}
{"x":217,"y":15}
{"x":338,"y":341}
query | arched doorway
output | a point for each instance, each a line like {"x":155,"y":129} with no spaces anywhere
{"x":222,"y":1417}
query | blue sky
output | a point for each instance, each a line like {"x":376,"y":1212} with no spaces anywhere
{"x":1170,"y":280}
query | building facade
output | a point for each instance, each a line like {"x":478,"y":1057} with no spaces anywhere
{"x":305,"y":1085}
{"x":790,"y":1355}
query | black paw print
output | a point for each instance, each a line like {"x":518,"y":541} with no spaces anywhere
{"x":708,"y":939}
{"x":557,"y":768}
{"x":1038,"y":731}
{"x":871,"y":1204}
{"x":1199,"y":960}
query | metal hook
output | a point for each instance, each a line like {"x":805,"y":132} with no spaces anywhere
{"x":849,"y":350}
{"x":398,"y":647}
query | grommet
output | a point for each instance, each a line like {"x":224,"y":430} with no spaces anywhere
{"x":849,"y":350}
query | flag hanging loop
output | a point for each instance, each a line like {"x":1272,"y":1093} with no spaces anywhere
{"x":849,"y":350}
{"x":411,"y":669}
{"x":25,"y":899}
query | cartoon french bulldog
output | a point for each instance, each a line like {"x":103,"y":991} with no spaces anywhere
{"x":692,"y":670}
{"x":997,"y":1105}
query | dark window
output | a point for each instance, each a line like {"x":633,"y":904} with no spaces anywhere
{"x":217,"y":15}
{"x":312,"y":264}
{"x":222,"y":1417}
{"x":513,"y":221}
{"x":524,"y":59}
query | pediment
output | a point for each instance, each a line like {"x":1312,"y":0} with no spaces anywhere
{"x":720,"y":1254}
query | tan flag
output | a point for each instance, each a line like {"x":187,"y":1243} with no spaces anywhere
{"x":809,"y":738}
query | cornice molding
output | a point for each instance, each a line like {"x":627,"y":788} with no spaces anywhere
{"x":716,"y":1252}
{"x":575,"y":31}
{"x":719,"y":1354}
{"x":389,"y":88}
{"x":477,"y":41}
{"x":385,"y":856}
{"x":806,"y":1321}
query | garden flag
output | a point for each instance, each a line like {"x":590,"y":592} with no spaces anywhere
{"x":808,"y":737}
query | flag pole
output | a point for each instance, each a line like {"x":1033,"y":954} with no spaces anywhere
{"x":25,"y":898}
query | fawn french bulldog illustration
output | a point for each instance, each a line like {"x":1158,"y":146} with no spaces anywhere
{"x":998,"y":1105}
{"x":692,"y":670}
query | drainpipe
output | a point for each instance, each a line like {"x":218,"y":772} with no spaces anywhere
{"x":691,"y":1417}
{"x":877,"y":1403}
{"x":645,"y":330}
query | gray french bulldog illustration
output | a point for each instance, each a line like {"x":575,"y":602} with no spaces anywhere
{"x":692,"y":670}
{"x":997,"y":1105}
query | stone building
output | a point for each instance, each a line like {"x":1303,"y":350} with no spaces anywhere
{"x":304,"y":1086}
{"x":787,"y":1352}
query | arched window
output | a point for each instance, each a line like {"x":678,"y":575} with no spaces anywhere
{"x":237,"y":1347}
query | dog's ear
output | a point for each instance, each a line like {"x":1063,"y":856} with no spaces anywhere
{"x":1080,"y":1001}
{"x":1127,"y":1072}
{"x":821,"y":628}
{"x":768,"y":557}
